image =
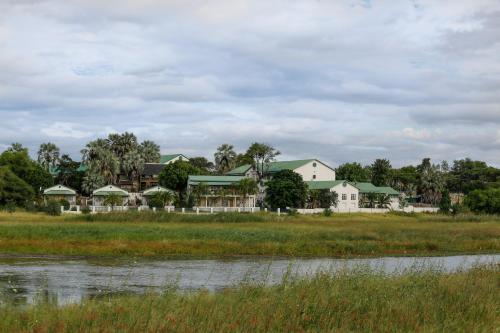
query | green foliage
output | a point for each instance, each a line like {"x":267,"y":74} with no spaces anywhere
{"x":10,"y":206}
{"x":13,"y":188}
{"x":445,"y":202}
{"x":353,"y":172}
{"x":246,"y":187}
{"x":113,"y":200}
{"x":225,"y":158}
{"x":202,"y":163}
{"x":160,"y":199}
{"x":53,"y":208}
{"x":65,"y":203}
{"x":70,"y":174}
{"x":384,"y":201}
{"x":381,"y":172}
{"x":467,"y":175}
{"x":323,"y":198}
{"x":484,"y":201}
{"x":48,"y":155}
{"x":348,"y":300}
{"x":175,"y":176}
{"x":29,"y":171}
{"x":286,"y":189}
{"x":85,"y":210}
{"x":261,"y":154}
{"x":327,"y":212}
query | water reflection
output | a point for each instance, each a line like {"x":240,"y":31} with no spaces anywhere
{"x":24,"y":281}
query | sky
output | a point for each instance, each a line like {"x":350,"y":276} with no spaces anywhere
{"x":340,"y":81}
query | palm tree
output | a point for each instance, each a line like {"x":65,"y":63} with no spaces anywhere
{"x":48,"y":155}
{"x":199,"y":191}
{"x":92,"y":181}
{"x":245,"y":187}
{"x":384,"y":201}
{"x":99,"y":158}
{"x":150,"y":151}
{"x":121,"y":144}
{"x":224,"y":158}
{"x":133,"y":165}
{"x":371,"y":199}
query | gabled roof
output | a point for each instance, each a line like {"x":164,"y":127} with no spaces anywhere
{"x":59,"y":190}
{"x":273,"y":167}
{"x":152,"y":169}
{"x":55,"y":171}
{"x":155,"y":189}
{"x":110,"y":189}
{"x":214,"y":180}
{"x":370,"y":188}
{"x":323,"y":185}
{"x":167,"y":158}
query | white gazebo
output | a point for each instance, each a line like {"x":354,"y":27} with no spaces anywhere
{"x":99,"y":195}
{"x":150,"y":192}
{"x":60,"y":192}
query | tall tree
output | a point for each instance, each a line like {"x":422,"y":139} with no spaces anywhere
{"x":48,"y":155}
{"x":16,"y":147}
{"x":202,"y":163}
{"x":121,"y":144}
{"x":70,"y":173}
{"x":353,"y":172}
{"x":246,"y":187}
{"x":224,"y":158}
{"x":12,"y":188}
{"x":430,"y":181}
{"x":149,"y":151}
{"x":101,"y":160}
{"x":175,"y":176}
{"x":133,"y":165}
{"x":92,"y":181}
{"x":286,"y":189}
{"x":381,"y":172}
{"x":262,"y":154}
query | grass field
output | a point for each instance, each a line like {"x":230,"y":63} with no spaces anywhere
{"x":347,"y":301}
{"x":229,"y":235}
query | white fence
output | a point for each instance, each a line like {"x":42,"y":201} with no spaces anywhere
{"x":409,"y":209}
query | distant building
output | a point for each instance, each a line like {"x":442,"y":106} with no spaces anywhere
{"x":60,"y":192}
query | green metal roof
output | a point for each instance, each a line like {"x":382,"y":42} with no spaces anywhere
{"x":110,"y":189}
{"x":323,"y":185}
{"x":241,"y":170}
{"x":55,"y":171}
{"x":370,"y":188}
{"x":167,"y":158}
{"x":273,"y":166}
{"x":59,"y":190}
{"x":214,"y":180}
{"x":155,"y":189}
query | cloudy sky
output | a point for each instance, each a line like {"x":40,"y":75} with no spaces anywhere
{"x":342,"y":81}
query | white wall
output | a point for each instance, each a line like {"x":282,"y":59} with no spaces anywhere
{"x":348,"y":190}
{"x":315,"y":168}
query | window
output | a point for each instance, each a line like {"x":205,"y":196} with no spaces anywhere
{"x":344,"y":196}
{"x":353,"y":196}
{"x":314,"y":176}
{"x":314,"y":164}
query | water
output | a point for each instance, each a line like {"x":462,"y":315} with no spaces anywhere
{"x":26,"y":280}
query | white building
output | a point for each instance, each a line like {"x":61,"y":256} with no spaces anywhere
{"x":310,"y":170}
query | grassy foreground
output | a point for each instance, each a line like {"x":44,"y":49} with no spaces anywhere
{"x":342,"y":302}
{"x":225,"y":235}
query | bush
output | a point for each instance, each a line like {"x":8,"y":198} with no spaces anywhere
{"x":10,"y":207}
{"x":292,"y":212}
{"x":445,"y":202}
{"x":30,"y":206}
{"x":85,"y":210}
{"x":65,"y":203}
{"x":53,"y":208}
{"x":327,"y":212}
{"x":484,"y":201}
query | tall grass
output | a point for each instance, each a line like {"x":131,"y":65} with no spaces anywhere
{"x":348,"y":301}
{"x":259,"y":234}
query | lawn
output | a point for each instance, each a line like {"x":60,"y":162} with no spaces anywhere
{"x":349,"y":301}
{"x":230,"y":235}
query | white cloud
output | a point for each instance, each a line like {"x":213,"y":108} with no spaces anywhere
{"x":65,"y":130}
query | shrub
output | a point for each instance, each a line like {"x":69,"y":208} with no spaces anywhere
{"x":53,"y":208}
{"x":85,"y":210}
{"x":30,"y":206}
{"x":484,"y":201}
{"x":10,"y":207}
{"x":65,"y":203}
{"x":327,"y":212}
{"x":445,"y":202}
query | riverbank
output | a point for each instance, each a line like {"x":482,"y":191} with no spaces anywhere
{"x":233,"y":235}
{"x":361,"y":301}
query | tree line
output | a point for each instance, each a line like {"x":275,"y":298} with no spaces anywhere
{"x":121,"y":156}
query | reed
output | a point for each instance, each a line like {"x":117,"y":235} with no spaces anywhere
{"x":346,"y":301}
{"x":219,"y":235}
